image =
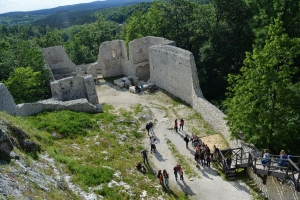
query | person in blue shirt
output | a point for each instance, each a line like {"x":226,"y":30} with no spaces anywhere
{"x":283,"y":159}
{"x":266,"y":158}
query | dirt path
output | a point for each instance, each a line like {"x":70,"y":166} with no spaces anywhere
{"x":209,"y":185}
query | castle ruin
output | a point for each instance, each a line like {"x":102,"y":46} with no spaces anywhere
{"x":151,"y":59}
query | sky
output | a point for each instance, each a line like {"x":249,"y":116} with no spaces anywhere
{"x":30,"y":5}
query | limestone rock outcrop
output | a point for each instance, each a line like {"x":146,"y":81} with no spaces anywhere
{"x":6,"y":146}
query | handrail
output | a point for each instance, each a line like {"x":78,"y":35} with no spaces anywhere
{"x":293,"y":164}
{"x":292,"y":167}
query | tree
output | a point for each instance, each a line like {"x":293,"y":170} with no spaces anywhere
{"x":25,"y":85}
{"x":263,"y":102}
{"x":287,"y":11}
{"x":224,"y":49}
{"x":50,"y":39}
{"x":84,"y":42}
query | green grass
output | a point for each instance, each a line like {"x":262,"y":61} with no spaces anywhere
{"x":66,"y":123}
{"x":89,"y":164}
{"x":137,"y":109}
{"x":181,"y":160}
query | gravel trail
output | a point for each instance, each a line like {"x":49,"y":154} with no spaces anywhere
{"x":209,"y":186}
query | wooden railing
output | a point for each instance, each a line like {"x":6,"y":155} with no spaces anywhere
{"x":240,"y":159}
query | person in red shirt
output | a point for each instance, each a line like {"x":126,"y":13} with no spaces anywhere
{"x":176,"y":125}
{"x":181,"y":124}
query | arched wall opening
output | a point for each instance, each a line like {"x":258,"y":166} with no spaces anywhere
{"x":143,"y":72}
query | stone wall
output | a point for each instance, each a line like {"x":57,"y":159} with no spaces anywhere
{"x":172,"y":69}
{"x":76,"y":87}
{"x":8,"y":105}
{"x":139,"y":56}
{"x":79,"y":105}
{"x":7,"y":102}
{"x":94,"y":69}
{"x":112,"y":58}
{"x":59,"y":62}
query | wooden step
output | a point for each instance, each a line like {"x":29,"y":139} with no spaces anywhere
{"x":231,"y":174}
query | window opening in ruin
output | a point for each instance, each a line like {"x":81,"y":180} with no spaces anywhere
{"x":113,"y":52}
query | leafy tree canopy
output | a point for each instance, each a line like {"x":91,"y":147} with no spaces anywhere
{"x":263,"y":102}
{"x":25,"y":85}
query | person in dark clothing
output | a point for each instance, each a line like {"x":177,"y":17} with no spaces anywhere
{"x":176,"y":125}
{"x":147,"y":128}
{"x":186,"y":139}
{"x":228,"y":162}
{"x":137,"y":89}
{"x":144,"y":155}
{"x":208,"y":159}
{"x":151,"y":127}
{"x":197,"y":158}
{"x":215,"y":153}
{"x":139,"y":166}
{"x":160,"y":177}
{"x":202,"y":157}
{"x":175,"y":169}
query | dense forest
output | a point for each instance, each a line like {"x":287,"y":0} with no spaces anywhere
{"x":246,"y":52}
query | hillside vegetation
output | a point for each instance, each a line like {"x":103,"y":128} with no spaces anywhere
{"x":83,"y":10}
{"x":251,"y":42}
{"x":100,"y":150}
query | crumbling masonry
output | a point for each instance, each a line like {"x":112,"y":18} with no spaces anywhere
{"x":151,"y":59}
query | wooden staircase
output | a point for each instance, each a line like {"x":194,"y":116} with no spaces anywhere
{"x":230,"y":174}
{"x":247,"y":160}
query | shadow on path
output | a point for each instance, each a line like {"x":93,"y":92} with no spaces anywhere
{"x":159,"y":157}
{"x":185,"y":188}
{"x":169,"y":192}
{"x":150,"y":170}
{"x":238,"y":186}
{"x":208,"y":172}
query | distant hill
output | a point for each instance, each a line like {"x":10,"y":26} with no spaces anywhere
{"x":13,"y":18}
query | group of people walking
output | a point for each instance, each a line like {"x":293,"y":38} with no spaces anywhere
{"x":203,"y":154}
{"x":149,"y":128}
{"x":176,"y":125}
{"x":163,"y":177}
{"x":178,"y":170}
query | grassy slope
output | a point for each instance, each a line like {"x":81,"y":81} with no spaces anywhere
{"x":76,"y":149}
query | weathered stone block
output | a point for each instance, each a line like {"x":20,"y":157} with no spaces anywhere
{"x":112,"y":57}
{"x":59,"y":62}
{"x":5,"y":146}
{"x":7,"y":102}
